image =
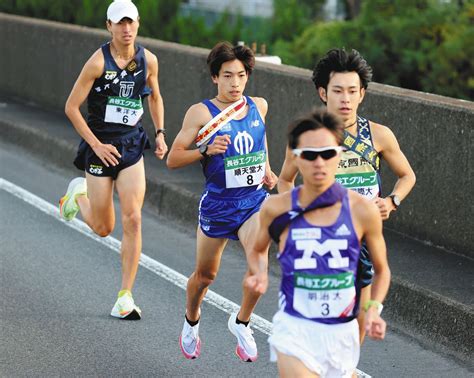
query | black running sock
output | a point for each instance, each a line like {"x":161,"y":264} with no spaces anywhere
{"x":192,"y":324}
{"x":237,"y":321}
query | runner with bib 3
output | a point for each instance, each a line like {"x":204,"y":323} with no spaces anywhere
{"x":318,"y":227}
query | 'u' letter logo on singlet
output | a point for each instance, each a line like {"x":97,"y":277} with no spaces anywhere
{"x":243,"y":142}
{"x":126,"y":88}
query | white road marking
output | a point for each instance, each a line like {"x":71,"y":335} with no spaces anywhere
{"x":147,"y":262}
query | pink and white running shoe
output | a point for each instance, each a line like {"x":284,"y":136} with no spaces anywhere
{"x":189,"y":341}
{"x":246,"y":348}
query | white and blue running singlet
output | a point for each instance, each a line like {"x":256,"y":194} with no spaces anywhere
{"x":240,"y":170}
{"x":115,"y":99}
{"x":319,"y":266}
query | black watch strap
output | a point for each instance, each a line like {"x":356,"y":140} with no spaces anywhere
{"x":160,"y":131}
{"x":203,"y":150}
{"x":395,"y":200}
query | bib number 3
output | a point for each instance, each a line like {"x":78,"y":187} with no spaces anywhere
{"x":324,"y":296}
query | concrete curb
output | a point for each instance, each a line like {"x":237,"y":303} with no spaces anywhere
{"x":416,"y":311}
{"x":429,"y":316}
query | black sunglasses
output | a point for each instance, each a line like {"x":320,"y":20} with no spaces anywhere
{"x":312,"y":154}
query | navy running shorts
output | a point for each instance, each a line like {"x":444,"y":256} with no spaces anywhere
{"x":222,"y":217}
{"x":365,"y":269}
{"x":130,"y":146}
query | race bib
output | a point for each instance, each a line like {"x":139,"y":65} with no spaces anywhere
{"x":125,"y":111}
{"x":245,"y":170}
{"x":324,"y":296}
{"x":365,"y":184}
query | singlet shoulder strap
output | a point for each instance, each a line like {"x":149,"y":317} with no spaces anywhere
{"x":294,"y":198}
{"x":363,"y":130}
{"x":140,"y":52}
{"x":213,"y":109}
{"x":359,"y":145}
{"x":250,"y":102}
{"x":109,"y":63}
{"x":106,"y":50}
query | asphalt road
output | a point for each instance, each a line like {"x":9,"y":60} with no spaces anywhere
{"x":59,"y":285}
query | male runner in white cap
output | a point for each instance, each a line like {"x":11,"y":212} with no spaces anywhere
{"x":115,"y":80}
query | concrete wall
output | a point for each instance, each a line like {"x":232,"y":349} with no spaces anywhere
{"x":41,"y":60}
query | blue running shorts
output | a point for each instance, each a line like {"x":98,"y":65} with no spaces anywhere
{"x":222,"y":217}
{"x":130,"y":146}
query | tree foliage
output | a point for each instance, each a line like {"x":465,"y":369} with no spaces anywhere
{"x":424,"y":45}
{"x":419,"y":44}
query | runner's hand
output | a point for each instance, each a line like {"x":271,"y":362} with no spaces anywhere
{"x":219,"y":145}
{"x":107,"y":153}
{"x":257,"y":282}
{"x":385,"y":207}
{"x":161,"y":147}
{"x":375,"y":326}
{"x":270,"y":179}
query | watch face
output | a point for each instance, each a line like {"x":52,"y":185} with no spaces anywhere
{"x":203,"y":149}
{"x":396,"y":200}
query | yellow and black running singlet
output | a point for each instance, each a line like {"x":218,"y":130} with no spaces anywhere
{"x":115,"y":99}
{"x":358,"y":170}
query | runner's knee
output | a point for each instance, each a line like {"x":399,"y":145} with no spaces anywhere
{"x":205,"y":279}
{"x":103,"y":229}
{"x":132,"y":222}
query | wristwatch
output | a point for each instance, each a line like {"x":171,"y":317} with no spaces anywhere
{"x":372,"y":303}
{"x":203,"y":150}
{"x":395,"y":200}
{"x":160,"y":131}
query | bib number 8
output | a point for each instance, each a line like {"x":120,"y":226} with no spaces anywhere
{"x":250,"y":180}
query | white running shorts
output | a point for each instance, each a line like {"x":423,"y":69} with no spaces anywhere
{"x":329,"y":350}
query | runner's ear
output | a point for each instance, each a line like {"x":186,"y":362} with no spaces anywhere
{"x":322,"y":94}
{"x":362,"y":94}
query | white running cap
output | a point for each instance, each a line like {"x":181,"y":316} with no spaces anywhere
{"x":120,"y":9}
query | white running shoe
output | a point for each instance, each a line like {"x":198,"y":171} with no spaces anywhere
{"x":189,"y":341}
{"x":68,"y":207}
{"x":125,"y":308}
{"x":246,"y":348}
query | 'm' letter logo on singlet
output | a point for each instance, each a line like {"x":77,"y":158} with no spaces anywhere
{"x":126,"y":88}
{"x":243,"y":142}
{"x":333,"y":246}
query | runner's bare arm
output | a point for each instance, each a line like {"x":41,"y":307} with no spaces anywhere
{"x":369,"y":217}
{"x":270,"y":178}
{"x":399,"y":165}
{"x":257,"y":259}
{"x":155,"y":103}
{"x":180,"y":155}
{"x":286,"y":180}
{"x":91,"y":71}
